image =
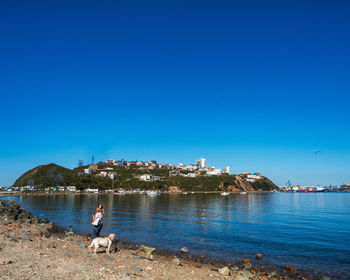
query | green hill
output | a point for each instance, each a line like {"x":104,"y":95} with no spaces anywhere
{"x":46,"y":175}
{"x":127,"y":178}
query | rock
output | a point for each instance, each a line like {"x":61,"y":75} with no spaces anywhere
{"x":240,"y":277}
{"x":35,"y":220}
{"x":176,"y":261}
{"x":292,"y":270}
{"x":185,"y":250}
{"x":235,"y":268}
{"x":27,"y":237}
{"x":247,"y":274}
{"x":147,"y":250}
{"x":247,"y":266}
{"x":126,"y":273}
{"x":136,"y":257}
{"x":245,"y":260}
{"x":273,"y":274}
{"x":108,"y":257}
{"x":148,"y":268}
{"x":44,"y":221}
{"x":13,"y":240}
{"x":87,"y":254}
{"x":69,"y":233}
{"x":46,"y":234}
{"x":135,"y":270}
{"x":7,"y":262}
{"x":224,"y":271}
{"x":325,"y":278}
{"x":82,"y":245}
{"x":259,"y":256}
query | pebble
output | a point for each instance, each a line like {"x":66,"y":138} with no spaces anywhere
{"x":108,"y":257}
{"x":259,"y":256}
{"x":224,"y":271}
{"x":135,"y":270}
{"x":176,"y":261}
{"x":247,"y":266}
{"x":247,"y":274}
{"x":7,"y":262}
{"x":185,"y":250}
{"x":292,"y":270}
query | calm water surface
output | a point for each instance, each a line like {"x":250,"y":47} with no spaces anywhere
{"x":307,"y":230}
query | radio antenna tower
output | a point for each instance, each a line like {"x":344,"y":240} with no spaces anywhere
{"x":93,"y":160}
{"x":80,"y":163}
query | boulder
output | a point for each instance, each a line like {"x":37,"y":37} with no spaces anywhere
{"x":259,"y":256}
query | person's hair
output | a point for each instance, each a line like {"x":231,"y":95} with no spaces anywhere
{"x":98,"y":209}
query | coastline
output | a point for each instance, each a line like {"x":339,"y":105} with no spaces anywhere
{"x":34,"y":241}
{"x":19,"y":193}
{"x":28,"y":252}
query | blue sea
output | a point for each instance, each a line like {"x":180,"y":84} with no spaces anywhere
{"x":310,"y":231}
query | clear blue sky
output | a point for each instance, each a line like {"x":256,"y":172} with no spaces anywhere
{"x":256,"y":85}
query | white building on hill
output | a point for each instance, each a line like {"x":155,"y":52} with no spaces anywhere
{"x":201,"y":163}
{"x":226,"y":170}
{"x":215,"y":171}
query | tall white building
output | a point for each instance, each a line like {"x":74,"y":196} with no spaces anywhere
{"x":226,"y":170}
{"x":201,"y":163}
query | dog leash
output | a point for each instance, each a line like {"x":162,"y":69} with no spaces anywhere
{"x":104,"y":228}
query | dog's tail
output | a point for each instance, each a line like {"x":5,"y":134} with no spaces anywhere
{"x":91,"y":245}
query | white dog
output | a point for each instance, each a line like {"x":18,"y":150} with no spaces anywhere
{"x":102,"y":242}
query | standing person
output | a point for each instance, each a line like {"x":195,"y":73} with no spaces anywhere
{"x":97,"y":221}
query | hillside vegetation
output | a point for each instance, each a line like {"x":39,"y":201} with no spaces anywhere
{"x":126,"y":178}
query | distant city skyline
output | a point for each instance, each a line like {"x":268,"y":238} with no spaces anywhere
{"x":257,"y":86}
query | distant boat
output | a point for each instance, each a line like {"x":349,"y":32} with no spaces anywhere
{"x":152,"y":193}
{"x":184,"y":193}
{"x":225,"y":193}
{"x":243,"y":192}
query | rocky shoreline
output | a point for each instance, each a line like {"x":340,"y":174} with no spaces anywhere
{"x":31,"y":248}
